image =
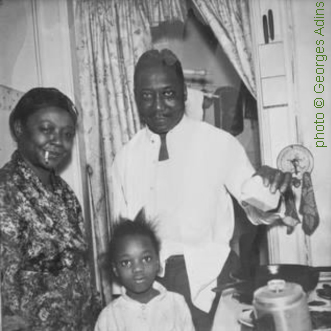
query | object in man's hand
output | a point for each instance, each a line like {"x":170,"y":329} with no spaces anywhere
{"x":298,"y":160}
{"x":291,"y":218}
{"x":256,"y":194}
{"x":308,"y":208}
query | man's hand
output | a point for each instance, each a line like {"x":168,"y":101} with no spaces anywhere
{"x":275,"y":179}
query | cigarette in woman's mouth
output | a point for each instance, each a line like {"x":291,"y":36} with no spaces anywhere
{"x":46,"y":157}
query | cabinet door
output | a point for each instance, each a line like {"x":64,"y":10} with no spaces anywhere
{"x":269,"y":24}
{"x":270,"y":21}
{"x":274,"y":72}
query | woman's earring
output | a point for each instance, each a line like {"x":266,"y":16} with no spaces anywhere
{"x":18,"y":129}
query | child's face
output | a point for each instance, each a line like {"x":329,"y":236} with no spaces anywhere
{"x":136,"y":266}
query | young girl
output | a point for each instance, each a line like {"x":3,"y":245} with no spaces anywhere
{"x":144,"y":303}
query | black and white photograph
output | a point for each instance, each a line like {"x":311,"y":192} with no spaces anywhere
{"x":165,"y":165}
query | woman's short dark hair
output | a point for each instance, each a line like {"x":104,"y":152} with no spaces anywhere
{"x":139,"y":226}
{"x":37,"y":98}
{"x":154,"y":57}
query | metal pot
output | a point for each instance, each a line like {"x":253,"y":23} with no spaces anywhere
{"x":281,"y":306}
{"x":303,"y":275}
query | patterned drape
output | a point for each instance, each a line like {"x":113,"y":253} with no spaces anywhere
{"x":110,"y":36}
{"x":229,"y":20}
{"x":158,"y":11}
{"x":8,"y":98}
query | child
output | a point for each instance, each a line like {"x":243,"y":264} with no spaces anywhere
{"x":144,"y":303}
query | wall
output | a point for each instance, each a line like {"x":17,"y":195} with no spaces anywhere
{"x":17,"y":54}
{"x":305,"y":70}
{"x":16,"y":36}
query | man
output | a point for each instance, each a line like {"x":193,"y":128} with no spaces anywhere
{"x":182,"y":171}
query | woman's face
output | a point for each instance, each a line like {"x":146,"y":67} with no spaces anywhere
{"x":48,"y":131}
{"x":136,"y":266}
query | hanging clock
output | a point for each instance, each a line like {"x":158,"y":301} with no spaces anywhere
{"x":296,"y":159}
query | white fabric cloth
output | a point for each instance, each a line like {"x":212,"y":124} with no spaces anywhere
{"x":193,"y":105}
{"x":166,"y":312}
{"x":206,"y":164}
{"x":164,"y":198}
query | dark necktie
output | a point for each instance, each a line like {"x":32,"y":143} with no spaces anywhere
{"x":163,"y":155}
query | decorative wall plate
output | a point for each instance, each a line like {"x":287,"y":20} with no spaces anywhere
{"x":296,"y":159}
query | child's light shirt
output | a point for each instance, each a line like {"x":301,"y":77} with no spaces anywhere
{"x":167,"y":311}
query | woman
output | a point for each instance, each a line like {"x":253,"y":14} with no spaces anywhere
{"x":45,"y":278}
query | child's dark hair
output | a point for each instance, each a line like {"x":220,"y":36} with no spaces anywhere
{"x":139,"y":226}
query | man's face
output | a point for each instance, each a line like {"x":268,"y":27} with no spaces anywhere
{"x":160,"y":97}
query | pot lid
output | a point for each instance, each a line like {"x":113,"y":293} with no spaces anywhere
{"x":278,"y":292}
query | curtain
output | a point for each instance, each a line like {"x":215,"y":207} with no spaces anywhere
{"x":229,"y":20}
{"x":9,"y":98}
{"x":110,"y":36}
{"x":158,"y":11}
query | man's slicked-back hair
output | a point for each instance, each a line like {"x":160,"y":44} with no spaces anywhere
{"x":154,"y":57}
{"x":139,"y":226}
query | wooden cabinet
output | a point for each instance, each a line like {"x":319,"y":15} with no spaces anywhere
{"x":271,"y":23}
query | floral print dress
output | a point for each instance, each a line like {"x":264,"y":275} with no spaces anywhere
{"x":45,"y":276}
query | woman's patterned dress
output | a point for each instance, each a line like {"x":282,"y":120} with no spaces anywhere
{"x":45,"y":275}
